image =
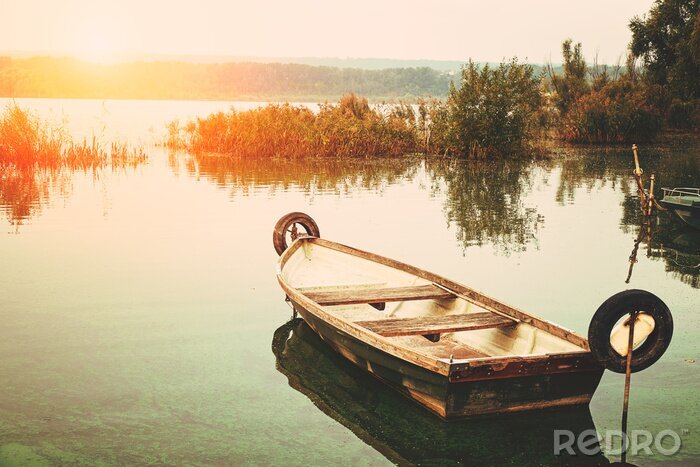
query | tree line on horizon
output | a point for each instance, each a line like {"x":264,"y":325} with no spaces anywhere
{"x":73,"y":78}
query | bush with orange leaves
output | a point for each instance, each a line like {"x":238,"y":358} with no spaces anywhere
{"x":621,"y":111}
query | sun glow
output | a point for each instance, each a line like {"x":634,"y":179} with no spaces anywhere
{"x":99,"y":45}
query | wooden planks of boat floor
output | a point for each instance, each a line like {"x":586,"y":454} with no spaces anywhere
{"x":379,"y":295}
{"x":436,"y":324}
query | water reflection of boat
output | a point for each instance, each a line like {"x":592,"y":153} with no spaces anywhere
{"x":685,"y":203}
{"x":680,"y":252}
{"x":407,"y":434}
{"x":682,"y":256}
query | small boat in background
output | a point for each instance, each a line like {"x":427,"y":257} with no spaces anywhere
{"x":685,"y":202}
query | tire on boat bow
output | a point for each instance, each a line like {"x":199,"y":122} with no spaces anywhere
{"x":292,"y":226}
{"x":608,"y":333}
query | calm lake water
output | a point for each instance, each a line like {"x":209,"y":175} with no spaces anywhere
{"x":141,"y":321}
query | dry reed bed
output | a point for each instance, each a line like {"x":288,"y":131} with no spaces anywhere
{"x":350,"y":128}
{"x":37,"y":160}
{"x":27,"y":142}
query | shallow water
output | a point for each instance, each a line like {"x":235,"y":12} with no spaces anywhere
{"x":141,"y":320}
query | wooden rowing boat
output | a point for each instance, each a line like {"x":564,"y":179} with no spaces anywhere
{"x":450,"y":348}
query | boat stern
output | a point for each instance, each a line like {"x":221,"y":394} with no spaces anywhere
{"x":519,"y":384}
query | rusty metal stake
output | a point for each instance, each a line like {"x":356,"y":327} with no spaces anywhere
{"x":628,"y":377}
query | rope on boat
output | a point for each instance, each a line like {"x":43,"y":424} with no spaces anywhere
{"x":637,"y":242}
{"x":288,"y":301}
{"x":658,"y":206}
{"x":633,"y":257}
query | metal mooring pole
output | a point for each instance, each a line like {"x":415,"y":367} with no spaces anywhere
{"x":628,"y":377}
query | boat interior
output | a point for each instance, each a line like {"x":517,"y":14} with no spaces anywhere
{"x":411,"y":311}
{"x":682,"y":196}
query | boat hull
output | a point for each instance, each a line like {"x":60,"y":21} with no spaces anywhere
{"x":450,"y":397}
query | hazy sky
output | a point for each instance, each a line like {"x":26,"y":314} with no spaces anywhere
{"x":444,"y":29}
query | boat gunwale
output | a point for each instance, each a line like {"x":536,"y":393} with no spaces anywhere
{"x":683,"y":198}
{"x":442,"y":366}
{"x":682,"y":191}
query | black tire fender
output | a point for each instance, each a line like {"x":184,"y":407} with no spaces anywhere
{"x":612,"y":311}
{"x":279,"y":234}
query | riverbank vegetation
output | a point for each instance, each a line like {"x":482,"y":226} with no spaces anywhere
{"x":595,"y":105}
{"x":350,"y":128}
{"x":658,"y":89}
{"x":27,"y":142}
{"x":493,"y":111}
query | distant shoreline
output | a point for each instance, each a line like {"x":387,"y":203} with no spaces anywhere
{"x":46,"y":77}
{"x":291,"y":100}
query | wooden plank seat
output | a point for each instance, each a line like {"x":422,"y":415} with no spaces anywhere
{"x":432,"y":325}
{"x":379,"y":295}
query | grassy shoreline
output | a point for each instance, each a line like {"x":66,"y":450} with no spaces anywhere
{"x":350,"y":128}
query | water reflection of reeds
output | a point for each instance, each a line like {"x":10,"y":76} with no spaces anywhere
{"x":310,"y":174}
{"x":37,"y":160}
{"x":485,"y":201}
{"x":589,"y":167}
{"x":22,"y":192}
